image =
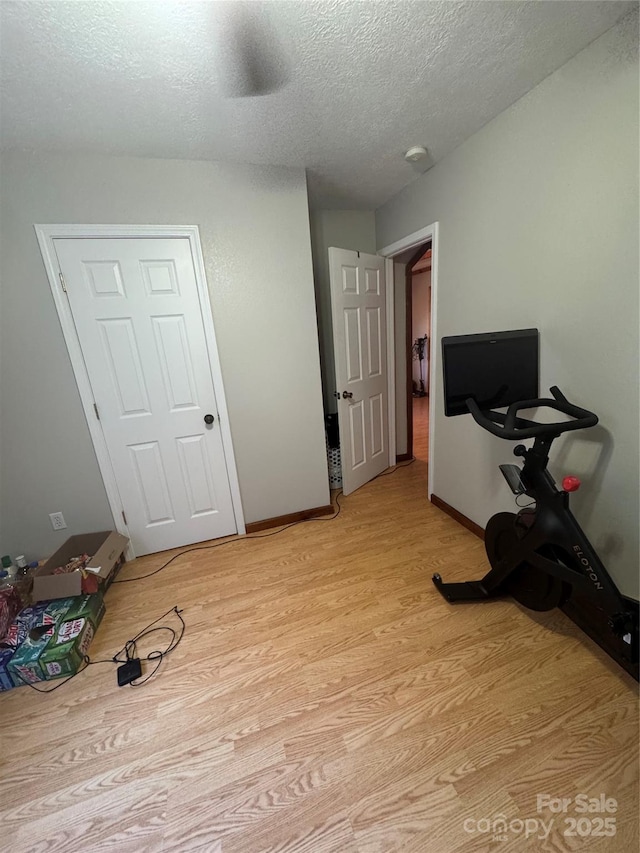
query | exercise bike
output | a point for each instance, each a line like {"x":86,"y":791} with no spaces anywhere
{"x":540,"y":556}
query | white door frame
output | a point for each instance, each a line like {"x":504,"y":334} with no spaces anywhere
{"x":412,"y":241}
{"x":46,"y":234}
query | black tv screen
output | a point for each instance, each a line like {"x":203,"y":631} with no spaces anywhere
{"x":496,"y":369}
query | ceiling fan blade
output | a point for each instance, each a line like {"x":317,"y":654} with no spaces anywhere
{"x":251,"y":60}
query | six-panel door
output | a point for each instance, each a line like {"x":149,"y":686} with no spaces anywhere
{"x":138,"y":317}
{"x":358,"y":299}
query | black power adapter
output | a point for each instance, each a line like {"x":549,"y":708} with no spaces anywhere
{"x":129,"y":671}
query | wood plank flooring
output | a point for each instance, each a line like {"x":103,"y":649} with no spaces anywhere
{"x":421,"y":428}
{"x":326,"y":699}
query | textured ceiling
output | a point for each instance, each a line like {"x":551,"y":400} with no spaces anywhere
{"x":362,"y":81}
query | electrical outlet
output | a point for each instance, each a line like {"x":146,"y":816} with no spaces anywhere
{"x":57,"y":520}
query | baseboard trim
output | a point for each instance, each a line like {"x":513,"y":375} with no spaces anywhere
{"x":279,"y":520}
{"x":403,"y":457}
{"x":459,"y":517}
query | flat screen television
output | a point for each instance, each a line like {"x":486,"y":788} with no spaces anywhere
{"x":496,"y":369}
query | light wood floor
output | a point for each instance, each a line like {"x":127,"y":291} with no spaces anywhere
{"x":325,"y":699}
{"x":421,"y":428}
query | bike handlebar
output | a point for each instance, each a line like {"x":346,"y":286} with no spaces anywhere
{"x":515,"y":428}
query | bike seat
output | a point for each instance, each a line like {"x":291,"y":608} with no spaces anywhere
{"x":513,"y":428}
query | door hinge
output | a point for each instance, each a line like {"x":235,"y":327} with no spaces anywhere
{"x":95,"y":409}
{"x":124,"y":518}
{"x":62,"y":282}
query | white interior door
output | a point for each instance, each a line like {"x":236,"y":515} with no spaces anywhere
{"x":358,"y":304}
{"x":139,"y":322}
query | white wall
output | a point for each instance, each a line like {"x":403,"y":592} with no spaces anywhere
{"x":342,"y":229}
{"x":547,"y":195}
{"x":254,"y":228}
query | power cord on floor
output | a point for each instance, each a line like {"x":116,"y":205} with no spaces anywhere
{"x":254,"y":536}
{"x":393,"y":470}
{"x":130,"y":653}
{"x":129,"y":650}
{"x":230,"y":542}
{"x":59,"y":684}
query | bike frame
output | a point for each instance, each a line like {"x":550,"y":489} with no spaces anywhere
{"x":554,"y":524}
{"x":552,"y":544}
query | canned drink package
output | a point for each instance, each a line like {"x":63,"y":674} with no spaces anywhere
{"x":24,"y":666}
{"x":86,"y":607}
{"x":18,"y":632}
{"x":64,"y":636}
{"x":66,"y":650}
{"x":10,"y":604}
{"x":6,"y":681}
{"x":72,"y":637}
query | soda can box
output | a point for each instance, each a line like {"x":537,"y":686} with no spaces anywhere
{"x":65,"y":652}
{"x":15,"y":636}
{"x":18,"y":633}
{"x":22,"y":624}
{"x":6,"y":682}
{"x":45,"y":612}
{"x":24,"y":666}
{"x":72,"y":637}
{"x":59,"y":651}
{"x":89,"y":607}
{"x":10,"y":604}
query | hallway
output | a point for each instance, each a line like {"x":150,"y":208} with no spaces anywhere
{"x":421,"y":428}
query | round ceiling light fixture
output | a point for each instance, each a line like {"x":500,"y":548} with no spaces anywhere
{"x":415,"y":153}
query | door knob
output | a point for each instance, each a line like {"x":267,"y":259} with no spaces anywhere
{"x":347,"y":395}
{"x":209,"y":419}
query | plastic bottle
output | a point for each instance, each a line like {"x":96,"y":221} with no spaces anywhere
{"x":9,"y":568}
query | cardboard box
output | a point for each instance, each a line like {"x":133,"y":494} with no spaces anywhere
{"x":72,"y":637}
{"x":15,"y":636}
{"x":24,"y":664}
{"x":23,"y":623}
{"x":107,"y":556}
{"x":10,"y":605}
{"x":6,"y":682}
{"x":86,"y":607}
{"x":61,"y":650}
{"x":13,"y":639}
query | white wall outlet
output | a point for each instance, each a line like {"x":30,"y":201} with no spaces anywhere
{"x":57,"y":520}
